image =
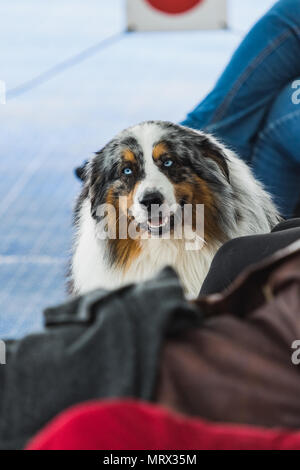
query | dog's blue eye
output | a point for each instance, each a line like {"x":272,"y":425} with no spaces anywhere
{"x":127,"y":171}
{"x":168,"y":163}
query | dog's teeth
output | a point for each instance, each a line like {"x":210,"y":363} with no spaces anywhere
{"x":160,"y":225}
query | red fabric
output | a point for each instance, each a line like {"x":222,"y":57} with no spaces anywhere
{"x":174,"y":6}
{"x":140,"y":426}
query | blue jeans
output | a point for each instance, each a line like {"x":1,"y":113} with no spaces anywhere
{"x":253,"y":107}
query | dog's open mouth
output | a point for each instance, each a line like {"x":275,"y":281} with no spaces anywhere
{"x":159,"y":225}
{"x":156,"y":223}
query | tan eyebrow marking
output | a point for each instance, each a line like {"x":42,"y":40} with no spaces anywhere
{"x":129,"y":156}
{"x":159,"y":150}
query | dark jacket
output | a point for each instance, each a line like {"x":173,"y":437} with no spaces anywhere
{"x":226,"y":357}
{"x":102,"y":345}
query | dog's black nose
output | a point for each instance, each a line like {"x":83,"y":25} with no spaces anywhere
{"x":150,"y":199}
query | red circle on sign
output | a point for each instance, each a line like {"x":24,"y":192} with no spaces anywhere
{"x":174,"y":7}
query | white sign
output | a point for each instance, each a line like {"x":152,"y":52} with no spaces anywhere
{"x":164,"y":15}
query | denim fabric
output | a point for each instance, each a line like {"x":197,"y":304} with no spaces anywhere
{"x":250,"y":107}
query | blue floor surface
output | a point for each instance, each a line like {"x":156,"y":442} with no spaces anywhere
{"x":48,"y":128}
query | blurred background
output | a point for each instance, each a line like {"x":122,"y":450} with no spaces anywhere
{"x":74,"y":78}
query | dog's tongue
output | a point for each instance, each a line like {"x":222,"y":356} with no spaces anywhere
{"x":156,"y":221}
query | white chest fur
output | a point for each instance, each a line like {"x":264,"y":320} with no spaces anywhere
{"x":90,"y":269}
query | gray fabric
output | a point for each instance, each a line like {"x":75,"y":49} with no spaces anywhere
{"x":102,"y":345}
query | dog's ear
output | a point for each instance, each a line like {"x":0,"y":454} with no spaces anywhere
{"x":98,"y":181}
{"x":210,"y":148}
{"x":80,"y":171}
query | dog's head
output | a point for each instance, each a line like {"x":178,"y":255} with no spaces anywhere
{"x":150,"y":172}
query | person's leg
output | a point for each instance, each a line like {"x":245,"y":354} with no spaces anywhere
{"x":238,"y":254}
{"x":276,"y":154}
{"x":265,"y":62}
